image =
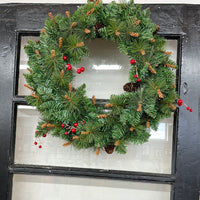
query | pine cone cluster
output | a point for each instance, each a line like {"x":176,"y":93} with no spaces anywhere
{"x":157,"y":30}
{"x":37,"y":41}
{"x":98,"y":26}
{"x":109,"y":149}
{"x":131,"y":87}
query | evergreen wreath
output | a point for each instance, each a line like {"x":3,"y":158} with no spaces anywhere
{"x":66,"y":111}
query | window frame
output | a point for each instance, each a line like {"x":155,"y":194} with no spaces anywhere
{"x":88,"y":172}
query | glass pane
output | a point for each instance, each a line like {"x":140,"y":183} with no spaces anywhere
{"x":22,"y":91}
{"x":153,"y":156}
{"x":106,"y":68}
{"x":171,"y":45}
{"x":32,"y":187}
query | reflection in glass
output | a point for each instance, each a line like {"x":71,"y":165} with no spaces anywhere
{"x":32,"y":187}
{"x":161,"y":133}
{"x":153,"y":156}
{"x":106,"y":69}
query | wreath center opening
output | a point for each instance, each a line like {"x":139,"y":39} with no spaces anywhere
{"x":106,"y":71}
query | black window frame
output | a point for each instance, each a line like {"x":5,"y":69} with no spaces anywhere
{"x":177,"y":27}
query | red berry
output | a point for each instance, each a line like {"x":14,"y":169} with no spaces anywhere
{"x":132,"y":62}
{"x":64,"y":57}
{"x":188,"y":108}
{"x":78,"y":71}
{"x":62,"y":125}
{"x":66,"y":133}
{"x":138,"y":80}
{"x":73,"y":130}
{"x":135,"y":76}
{"x":69,"y":67}
{"x":40,"y":146}
{"x":35,"y":143}
{"x":75,"y":124}
{"x":44,"y":135}
{"x":36,"y":132}
{"x":83,"y":122}
{"x":180,"y":101}
{"x":191,"y":110}
{"x":82,"y":69}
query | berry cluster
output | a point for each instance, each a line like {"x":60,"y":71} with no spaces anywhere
{"x":71,"y":128}
{"x":36,"y":143}
{"x":180,"y":103}
{"x":69,"y":67}
{"x":82,"y":69}
{"x":135,"y":76}
{"x":40,"y":146}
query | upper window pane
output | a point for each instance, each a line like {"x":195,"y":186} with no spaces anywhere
{"x":106,"y":68}
{"x":23,"y":91}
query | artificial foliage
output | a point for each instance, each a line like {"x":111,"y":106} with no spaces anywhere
{"x":66,"y":111}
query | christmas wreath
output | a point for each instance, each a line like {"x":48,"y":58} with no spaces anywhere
{"x":66,"y":111}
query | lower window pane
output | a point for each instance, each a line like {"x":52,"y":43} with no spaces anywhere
{"x":32,"y":187}
{"x":153,"y":156}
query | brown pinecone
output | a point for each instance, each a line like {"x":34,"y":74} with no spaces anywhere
{"x":98,"y":26}
{"x":157,"y":30}
{"x":131,"y":87}
{"x":109,"y":149}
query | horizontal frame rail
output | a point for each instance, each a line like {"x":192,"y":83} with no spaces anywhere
{"x":92,"y":173}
